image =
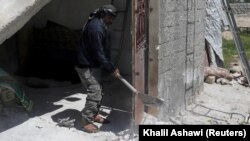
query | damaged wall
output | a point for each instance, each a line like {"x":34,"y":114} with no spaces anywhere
{"x":70,"y":14}
{"x":178,"y":52}
{"x":15,"y":13}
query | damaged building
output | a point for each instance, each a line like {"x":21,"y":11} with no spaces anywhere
{"x":157,"y":44}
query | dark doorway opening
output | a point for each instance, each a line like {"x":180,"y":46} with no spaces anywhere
{"x":51,"y":53}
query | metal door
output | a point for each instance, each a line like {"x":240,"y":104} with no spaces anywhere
{"x":139,"y":41}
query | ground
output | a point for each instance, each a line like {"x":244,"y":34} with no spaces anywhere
{"x":218,"y":104}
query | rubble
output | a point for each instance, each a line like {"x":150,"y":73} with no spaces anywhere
{"x":225,"y":76}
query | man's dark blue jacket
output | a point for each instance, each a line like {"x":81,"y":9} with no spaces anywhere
{"x":92,"y":51}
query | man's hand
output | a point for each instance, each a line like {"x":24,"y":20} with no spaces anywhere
{"x":116,"y":73}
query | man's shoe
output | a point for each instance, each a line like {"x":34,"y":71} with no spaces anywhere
{"x":90,"y":128}
{"x":100,"y":119}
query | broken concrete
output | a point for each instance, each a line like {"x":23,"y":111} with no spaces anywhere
{"x":219,"y":104}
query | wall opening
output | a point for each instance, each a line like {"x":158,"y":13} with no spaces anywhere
{"x":45,"y":46}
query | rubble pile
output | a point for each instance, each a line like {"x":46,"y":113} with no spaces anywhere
{"x":225,"y":76}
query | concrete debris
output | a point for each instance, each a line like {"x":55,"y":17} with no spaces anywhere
{"x":210,"y":79}
{"x":229,"y":105}
{"x":225,"y":77}
{"x":235,"y":68}
{"x":127,"y":135}
{"x":243,"y":81}
{"x":222,"y":81}
{"x":66,"y":122}
{"x":218,"y":72}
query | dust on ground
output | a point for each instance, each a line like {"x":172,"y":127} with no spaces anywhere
{"x":218,"y":104}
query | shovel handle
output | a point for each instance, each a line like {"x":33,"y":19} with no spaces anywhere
{"x":127,"y":84}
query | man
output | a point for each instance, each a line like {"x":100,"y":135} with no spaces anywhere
{"x":93,"y":61}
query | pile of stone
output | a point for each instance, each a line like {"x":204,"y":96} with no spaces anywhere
{"x":235,"y":68}
{"x":225,"y":76}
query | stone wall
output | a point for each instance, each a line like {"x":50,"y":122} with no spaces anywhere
{"x":180,"y":53}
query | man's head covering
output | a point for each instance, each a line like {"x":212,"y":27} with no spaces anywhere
{"x":107,"y":9}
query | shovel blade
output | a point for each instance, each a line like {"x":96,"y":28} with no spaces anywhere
{"x":150,"y":100}
{"x":146,"y":99}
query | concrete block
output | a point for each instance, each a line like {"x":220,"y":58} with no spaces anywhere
{"x":191,"y":5}
{"x":200,"y":27}
{"x":200,"y":4}
{"x":190,"y":43}
{"x":179,"y":45}
{"x":210,"y":79}
{"x":189,"y":97}
{"x":168,"y":5}
{"x":180,"y":30}
{"x":189,"y":71}
{"x":191,"y":16}
{"x":167,"y":19}
{"x":200,"y":15}
{"x":182,"y":5}
{"x":200,"y":40}
{"x":166,"y":34}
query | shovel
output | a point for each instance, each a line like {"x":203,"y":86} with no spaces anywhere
{"x":146,"y":99}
